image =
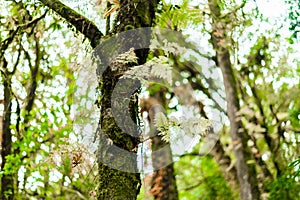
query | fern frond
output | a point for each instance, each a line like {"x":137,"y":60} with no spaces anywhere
{"x":193,"y":126}
{"x":157,"y":68}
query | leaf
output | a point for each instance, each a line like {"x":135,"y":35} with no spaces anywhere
{"x":166,"y":135}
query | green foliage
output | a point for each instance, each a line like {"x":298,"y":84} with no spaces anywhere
{"x":200,"y":178}
{"x":42,"y":87}
{"x":296,"y":165}
{"x":178,"y":17}
{"x":284,"y":187}
{"x":294,"y":14}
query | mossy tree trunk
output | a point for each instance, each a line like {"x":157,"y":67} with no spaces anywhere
{"x":115,"y":183}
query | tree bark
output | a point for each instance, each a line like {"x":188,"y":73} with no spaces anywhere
{"x":246,"y":172}
{"x":113,"y":183}
{"x":163,"y":184}
{"x":7,"y":181}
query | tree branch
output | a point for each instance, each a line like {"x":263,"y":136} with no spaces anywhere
{"x":81,"y":23}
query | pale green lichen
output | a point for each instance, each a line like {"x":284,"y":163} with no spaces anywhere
{"x":122,"y":62}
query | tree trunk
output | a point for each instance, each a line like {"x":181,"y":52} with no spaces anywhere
{"x":224,"y":161}
{"x":113,"y":182}
{"x":163,"y":184}
{"x":246,"y":172}
{"x":7,"y":180}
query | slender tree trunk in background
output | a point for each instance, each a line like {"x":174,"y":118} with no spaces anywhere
{"x":163,"y":184}
{"x":7,"y":180}
{"x":163,"y":180}
{"x":246,"y":172}
{"x":218,"y":152}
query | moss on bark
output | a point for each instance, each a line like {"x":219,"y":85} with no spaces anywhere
{"x":113,"y":183}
